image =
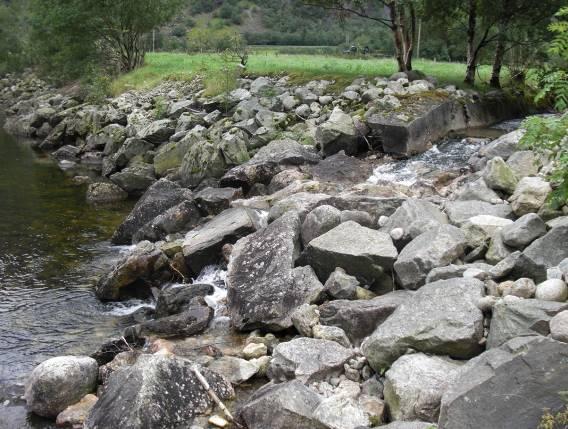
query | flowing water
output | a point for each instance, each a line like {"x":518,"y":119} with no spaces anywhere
{"x":52,"y":244}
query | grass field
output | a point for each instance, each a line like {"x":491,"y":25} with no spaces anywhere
{"x":178,"y":66}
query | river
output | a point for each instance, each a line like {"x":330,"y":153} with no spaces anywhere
{"x":52,"y":245}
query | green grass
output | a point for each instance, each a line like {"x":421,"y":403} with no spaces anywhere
{"x":178,"y":66}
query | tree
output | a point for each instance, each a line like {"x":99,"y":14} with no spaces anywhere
{"x":97,"y":30}
{"x":398,"y":15}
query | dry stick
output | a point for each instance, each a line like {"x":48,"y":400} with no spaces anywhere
{"x":211,"y":393}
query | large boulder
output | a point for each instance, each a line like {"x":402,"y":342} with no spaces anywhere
{"x":521,"y":318}
{"x":202,"y":246}
{"x":131,"y":275}
{"x":157,"y":391}
{"x":524,"y":231}
{"x":338,"y":133}
{"x":319,"y":221}
{"x":203,"y":160}
{"x":170,"y":156}
{"x":440,"y":318}
{"x":414,"y":386}
{"x":213,"y":201}
{"x":263,"y":286}
{"x":295,"y":404}
{"x":499,"y":176}
{"x":234,"y":369}
{"x":157,"y":199}
{"x":504,"y":146}
{"x":158,"y":131}
{"x":479,"y":229}
{"x":551,"y":249}
{"x":59,"y":382}
{"x":437,"y":247}
{"x":477,"y":191}
{"x":179,"y":218}
{"x":131,"y":148}
{"x":104,"y":192}
{"x":176,"y":299}
{"x":308,"y":360}
{"x":414,"y":217}
{"x":362,"y":252}
{"x":518,"y":265}
{"x":530,"y":195}
{"x":459,"y":212}
{"x":508,"y":387}
{"x":360,"y":318}
{"x":135,"y":179}
{"x":269,"y":161}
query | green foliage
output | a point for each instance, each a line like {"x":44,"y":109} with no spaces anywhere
{"x":559,"y":46}
{"x":13,"y":27}
{"x":548,"y":136}
{"x":97,"y":85}
{"x":554,"y":421}
{"x":212,"y":39}
{"x":160,"y":107}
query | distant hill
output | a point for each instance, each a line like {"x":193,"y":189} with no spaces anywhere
{"x":274,"y":22}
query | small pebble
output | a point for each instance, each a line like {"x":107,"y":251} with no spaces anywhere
{"x":218,"y":421}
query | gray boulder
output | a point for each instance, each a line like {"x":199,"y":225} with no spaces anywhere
{"x":414,"y":217}
{"x":213,"y":201}
{"x":319,"y":221}
{"x":559,"y":327}
{"x":308,"y":360}
{"x":203,"y":160}
{"x":499,"y":176}
{"x":131,"y":148}
{"x":264,"y":288}
{"x":551,"y":249}
{"x":234,"y":369}
{"x":202,"y":246}
{"x":504,"y":146}
{"x":524,"y":163}
{"x":59,"y":382}
{"x":509,"y":387}
{"x":477,"y":191}
{"x":294,"y":401}
{"x":440,"y":318}
{"x":103,"y":192}
{"x":414,"y":386}
{"x":157,"y":391}
{"x":518,"y":265}
{"x":360,"y":318}
{"x":530,"y":195}
{"x":338,"y":133}
{"x":437,"y":247}
{"x":136,"y":179}
{"x":341,"y":285}
{"x":331,"y":333}
{"x":156,"y":200}
{"x":174,"y":300}
{"x":524,"y":231}
{"x":158,"y":131}
{"x":362,"y":252}
{"x":521,"y":318}
{"x":460,"y":212}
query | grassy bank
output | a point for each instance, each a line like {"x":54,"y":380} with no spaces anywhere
{"x":160,"y":66}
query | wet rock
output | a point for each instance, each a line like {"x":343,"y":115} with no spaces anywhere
{"x":129,"y":277}
{"x":174,"y":300}
{"x":524,"y":231}
{"x":263,"y":286}
{"x":114,"y":346}
{"x":559,"y":327}
{"x":121,"y":360}
{"x":60,"y":382}
{"x":339,"y":133}
{"x":103,"y":192}
{"x":530,"y":195}
{"x":340,"y":168}
{"x":486,"y":395}
{"x":552,"y":290}
{"x":234,"y":369}
{"x":414,"y":217}
{"x":415,"y":384}
{"x":460,"y":212}
{"x":74,"y":415}
{"x":294,"y":401}
{"x":307,"y":360}
{"x":362,"y":252}
{"x":521,"y":318}
{"x":156,"y":200}
{"x":435,"y":248}
{"x":179,"y":218}
{"x":551,"y":249}
{"x":214,"y":200}
{"x":499,"y":176}
{"x":360,"y":318}
{"x":341,"y":285}
{"x":158,"y":131}
{"x":67,"y":153}
{"x":202,"y":246}
{"x":319,"y":221}
{"x":136,"y":179}
{"x":157,"y":391}
{"x":440,"y":318}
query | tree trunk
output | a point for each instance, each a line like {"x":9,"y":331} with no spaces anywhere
{"x":397,"y":36}
{"x":409,"y":37}
{"x":471,"y":51}
{"x":495,"y":81}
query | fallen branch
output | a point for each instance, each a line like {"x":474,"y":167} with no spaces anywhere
{"x":211,"y":393}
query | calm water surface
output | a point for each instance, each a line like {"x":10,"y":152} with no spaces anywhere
{"x":52,"y":247}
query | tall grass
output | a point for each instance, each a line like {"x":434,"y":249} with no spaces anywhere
{"x":178,"y":66}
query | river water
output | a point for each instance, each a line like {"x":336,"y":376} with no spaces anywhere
{"x":52,"y":244}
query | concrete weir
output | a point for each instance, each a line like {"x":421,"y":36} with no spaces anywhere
{"x":411,"y":131}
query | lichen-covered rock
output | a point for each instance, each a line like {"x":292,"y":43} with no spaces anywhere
{"x":60,"y":382}
{"x":157,"y":391}
{"x":440,"y":318}
{"x":499,"y":176}
{"x":529,"y":195}
{"x":104,"y":192}
{"x":158,"y":131}
{"x":136,"y":179}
